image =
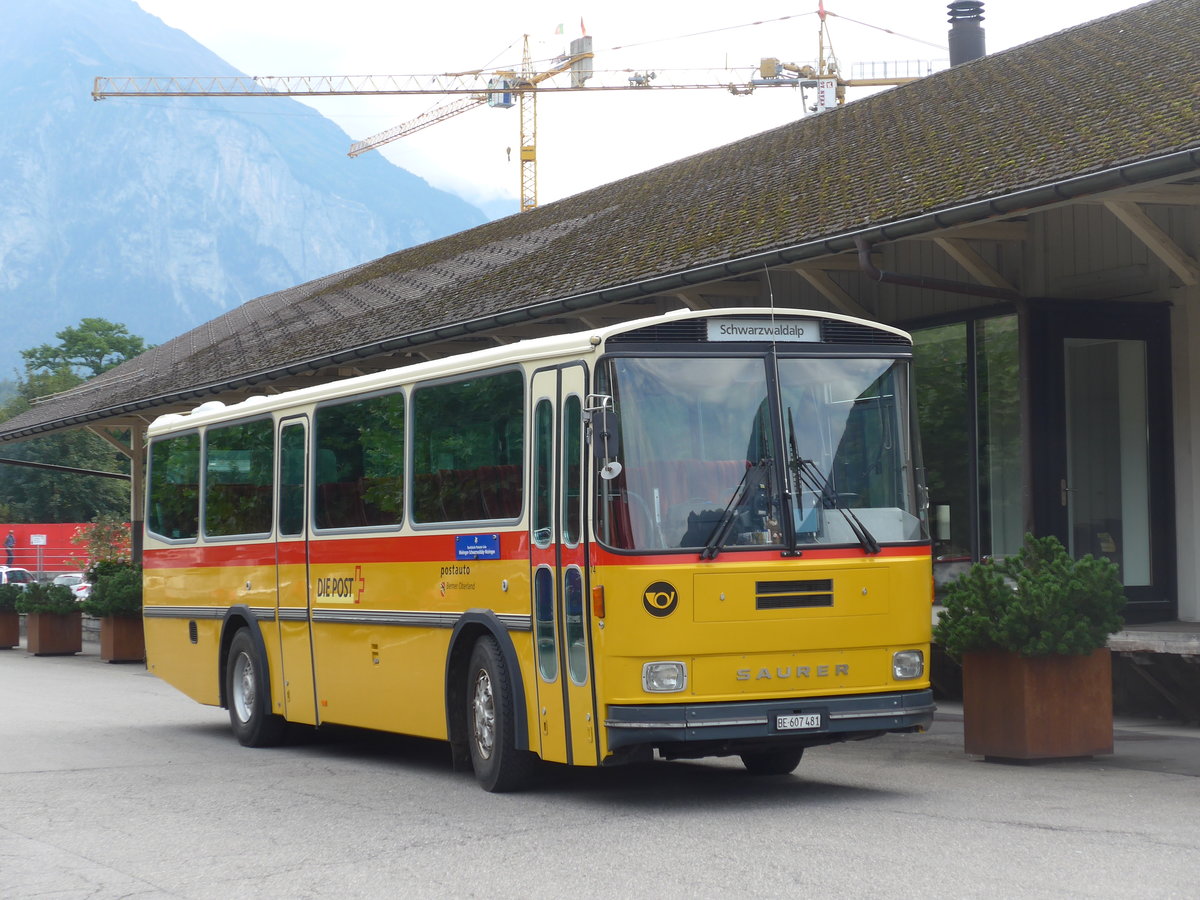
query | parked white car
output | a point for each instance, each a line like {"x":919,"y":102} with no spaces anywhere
{"x":77,"y":582}
{"x":15,"y":575}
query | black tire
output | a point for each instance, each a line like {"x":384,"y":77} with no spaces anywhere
{"x":772,"y":762}
{"x":491,"y":725}
{"x":245,"y":692}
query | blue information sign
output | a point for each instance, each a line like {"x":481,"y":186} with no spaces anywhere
{"x":477,"y":546}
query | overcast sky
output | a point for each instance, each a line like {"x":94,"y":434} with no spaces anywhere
{"x":583,"y":140}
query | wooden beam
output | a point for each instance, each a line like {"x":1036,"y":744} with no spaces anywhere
{"x":691,"y":299}
{"x":588,"y":322}
{"x":1163,"y":195}
{"x":842,"y":262}
{"x":1156,"y":240}
{"x":107,"y":436}
{"x":696,"y":297}
{"x":987,"y":231}
{"x":735,"y":290}
{"x":833,"y":292}
{"x":978,"y":268}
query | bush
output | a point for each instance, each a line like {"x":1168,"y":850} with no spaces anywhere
{"x":105,"y":568}
{"x":9,"y":595}
{"x":1038,"y":602}
{"x":47,"y":598}
{"x":116,"y":591}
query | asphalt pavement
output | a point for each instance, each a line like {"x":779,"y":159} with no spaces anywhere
{"x":114,"y":785}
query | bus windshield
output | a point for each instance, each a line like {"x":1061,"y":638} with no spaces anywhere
{"x":713,"y":456}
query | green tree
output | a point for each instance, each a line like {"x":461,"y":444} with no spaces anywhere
{"x":95,"y":346}
{"x":41,"y":495}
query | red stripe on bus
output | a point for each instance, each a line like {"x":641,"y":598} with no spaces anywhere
{"x":211,"y":555}
{"x":440,"y":547}
{"x":373,"y":549}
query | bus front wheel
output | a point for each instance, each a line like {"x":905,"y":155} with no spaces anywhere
{"x":773,"y":762}
{"x":491,"y":726}
{"x":246,"y":694}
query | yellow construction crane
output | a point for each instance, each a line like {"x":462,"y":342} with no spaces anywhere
{"x":502,"y":86}
{"x":830,"y":85}
{"x":498,"y":88}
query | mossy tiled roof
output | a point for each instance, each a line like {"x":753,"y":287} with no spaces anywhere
{"x":1115,"y":91}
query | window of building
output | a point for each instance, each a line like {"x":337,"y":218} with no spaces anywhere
{"x":968,"y":404}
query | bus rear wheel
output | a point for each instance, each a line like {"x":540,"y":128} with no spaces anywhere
{"x":491,"y":725}
{"x":246,"y":693}
{"x":772,"y":762}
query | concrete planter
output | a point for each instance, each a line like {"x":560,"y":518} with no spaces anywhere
{"x":1042,"y":707}
{"x":53,"y":634}
{"x":122,"y":639}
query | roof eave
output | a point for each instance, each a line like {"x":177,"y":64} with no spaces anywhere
{"x":1141,"y":171}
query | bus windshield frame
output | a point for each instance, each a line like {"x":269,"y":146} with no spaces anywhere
{"x":755,"y":450}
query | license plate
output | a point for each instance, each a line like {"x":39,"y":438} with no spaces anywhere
{"x":798,"y":722}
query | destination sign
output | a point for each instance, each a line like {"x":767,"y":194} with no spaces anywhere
{"x":791,"y":330}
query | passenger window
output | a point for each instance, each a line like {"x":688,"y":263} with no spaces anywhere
{"x":238,"y":479}
{"x":174,"y":495}
{"x":468,"y":449}
{"x":359,"y":463}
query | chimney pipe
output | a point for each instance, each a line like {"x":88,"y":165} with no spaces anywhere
{"x":966,"y":34}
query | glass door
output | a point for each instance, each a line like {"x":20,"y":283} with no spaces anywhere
{"x":1102,"y":450}
{"x":1106,"y":487}
{"x":558,"y":556}
{"x":291,"y":555}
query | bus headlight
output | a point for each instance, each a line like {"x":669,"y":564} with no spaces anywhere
{"x":664,"y":677}
{"x":908,"y":664}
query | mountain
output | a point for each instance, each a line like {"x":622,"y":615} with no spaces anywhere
{"x":163,"y":213}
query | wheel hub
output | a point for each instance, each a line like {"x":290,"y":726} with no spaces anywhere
{"x":484,"y":718}
{"x":243,"y":688}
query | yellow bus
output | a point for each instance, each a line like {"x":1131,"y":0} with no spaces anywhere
{"x":699,"y":534}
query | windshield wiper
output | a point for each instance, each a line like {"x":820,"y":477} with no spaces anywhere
{"x":720,"y":534}
{"x":810,"y":476}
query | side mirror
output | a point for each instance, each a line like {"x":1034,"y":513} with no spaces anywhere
{"x":602,"y":432}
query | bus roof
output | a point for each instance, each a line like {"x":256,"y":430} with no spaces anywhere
{"x":532,"y":349}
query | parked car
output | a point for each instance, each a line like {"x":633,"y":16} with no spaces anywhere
{"x":15,"y":575}
{"x":77,"y":582}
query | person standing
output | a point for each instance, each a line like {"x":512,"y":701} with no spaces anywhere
{"x":9,"y":543}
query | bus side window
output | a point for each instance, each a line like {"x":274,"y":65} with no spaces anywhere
{"x":174,"y":487}
{"x":359,"y":463}
{"x":291,"y":480}
{"x":468,"y":449}
{"x":238,"y":480}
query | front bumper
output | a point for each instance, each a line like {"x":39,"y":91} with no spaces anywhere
{"x":674,"y":726}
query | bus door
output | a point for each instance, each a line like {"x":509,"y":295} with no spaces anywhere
{"x":291,"y":555}
{"x":566,"y":700}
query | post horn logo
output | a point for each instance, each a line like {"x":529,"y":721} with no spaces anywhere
{"x":660,"y":599}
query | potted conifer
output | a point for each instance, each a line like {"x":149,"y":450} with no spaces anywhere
{"x":10,"y":619}
{"x":116,"y":600}
{"x":53,"y":624}
{"x":1031,"y":632}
